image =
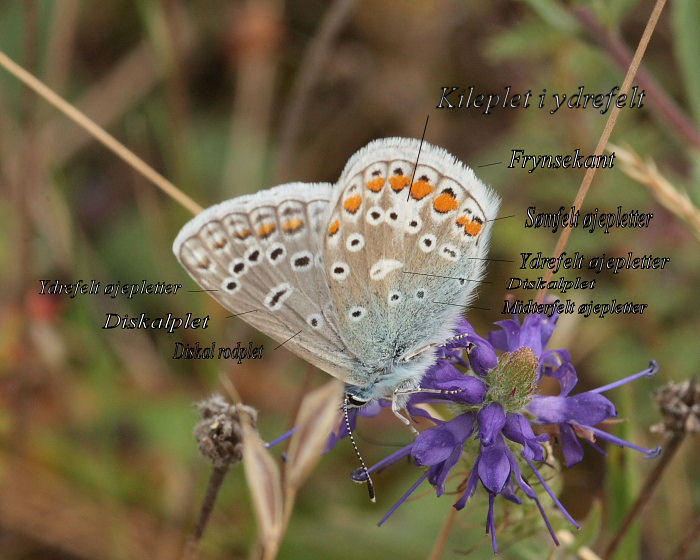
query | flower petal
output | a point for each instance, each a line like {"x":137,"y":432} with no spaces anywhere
{"x":493,"y":466}
{"x":584,"y":408}
{"x":570,"y":445}
{"x":491,"y":421}
{"x":518,"y":429}
{"x":433,"y":446}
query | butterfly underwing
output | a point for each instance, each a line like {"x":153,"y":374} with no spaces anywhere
{"x":362,"y":278}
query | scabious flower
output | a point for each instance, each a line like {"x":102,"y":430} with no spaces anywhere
{"x":496,"y":408}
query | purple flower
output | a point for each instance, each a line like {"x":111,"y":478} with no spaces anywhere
{"x":494,"y":400}
{"x":498,"y":470}
{"x":482,"y":354}
{"x":445,"y":381}
{"x":534,"y":333}
{"x":579,"y":414}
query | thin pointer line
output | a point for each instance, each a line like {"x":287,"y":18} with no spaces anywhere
{"x":487,"y":259}
{"x":457,"y":305}
{"x":285,"y":342}
{"x":415,"y":167}
{"x":438,"y":276}
{"x":494,"y":163}
{"x":445,"y":303}
{"x":214,"y":290}
{"x":501,"y":218}
{"x":237,"y":314}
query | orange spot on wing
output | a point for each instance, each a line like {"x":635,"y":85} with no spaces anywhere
{"x":290,"y":226}
{"x":445,"y":203}
{"x":421,"y":189}
{"x":398,"y":182}
{"x":335,"y":226}
{"x":352,"y":204}
{"x":242,"y":234}
{"x":266,"y":229}
{"x":471,"y":227}
{"x":375,"y":185}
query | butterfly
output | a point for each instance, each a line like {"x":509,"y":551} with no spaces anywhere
{"x":363,"y":278}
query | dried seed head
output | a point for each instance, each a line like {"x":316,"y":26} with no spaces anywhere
{"x":679,"y":404}
{"x":218,"y":433}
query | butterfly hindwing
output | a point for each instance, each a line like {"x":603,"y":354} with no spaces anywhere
{"x":261,"y":256}
{"x":404,"y":250}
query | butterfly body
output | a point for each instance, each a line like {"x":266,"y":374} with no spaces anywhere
{"x":361,"y":277}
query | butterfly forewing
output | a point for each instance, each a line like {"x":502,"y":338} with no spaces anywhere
{"x":261,"y":255}
{"x":405,"y":247}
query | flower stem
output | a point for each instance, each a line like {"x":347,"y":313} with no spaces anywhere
{"x":216,"y":478}
{"x":607,"y":131}
{"x":688,"y":539}
{"x":441,"y":541}
{"x":645,"y":493}
{"x":99,"y":133}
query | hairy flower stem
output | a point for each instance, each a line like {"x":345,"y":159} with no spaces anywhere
{"x":669,"y":452}
{"x":215,"y":480}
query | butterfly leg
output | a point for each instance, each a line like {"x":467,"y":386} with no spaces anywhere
{"x":435,"y":344}
{"x":399,"y":400}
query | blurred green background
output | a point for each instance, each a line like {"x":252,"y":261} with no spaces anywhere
{"x":97,"y":457}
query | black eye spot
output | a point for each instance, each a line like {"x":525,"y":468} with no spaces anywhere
{"x":376,"y":173}
{"x":355,"y":242}
{"x":478,"y":220}
{"x":314,"y":322}
{"x":462,"y":281}
{"x":420,"y":294}
{"x":393,"y":215}
{"x":238,"y":267}
{"x":276,"y":297}
{"x":254,"y":256}
{"x":301,"y":261}
{"x":276,"y":253}
{"x":375,"y":215}
{"x":424,"y":178}
{"x":394,"y":297}
{"x":339,"y":270}
{"x":231,"y":286}
{"x":398,"y":171}
{"x":356,"y":313}
{"x":427,"y":242}
{"x":413,"y":223}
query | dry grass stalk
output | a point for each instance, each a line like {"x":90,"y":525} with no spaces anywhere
{"x":99,"y":133}
{"x":265,"y":484}
{"x":317,"y":416}
{"x":646,"y":173}
{"x":273,"y":501}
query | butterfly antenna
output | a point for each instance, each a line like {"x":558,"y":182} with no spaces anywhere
{"x":368,"y":478}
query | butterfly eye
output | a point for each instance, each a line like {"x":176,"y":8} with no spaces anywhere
{"x":355,"y":401}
